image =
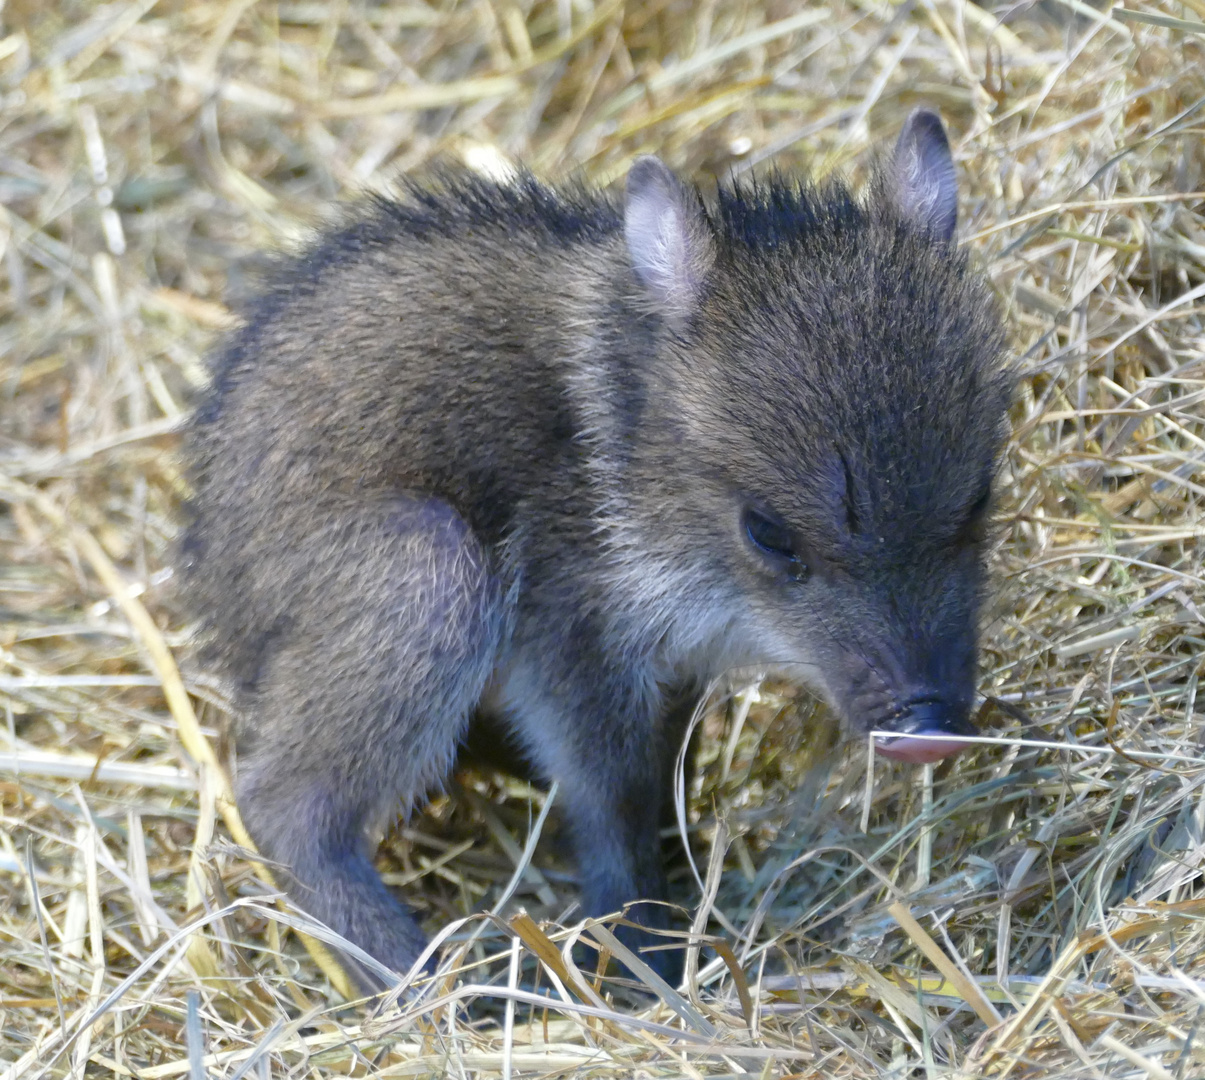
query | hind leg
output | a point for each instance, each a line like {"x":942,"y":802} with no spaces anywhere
{"x":393,"y":625}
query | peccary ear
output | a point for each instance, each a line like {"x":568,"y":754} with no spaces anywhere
{"x":668,"y":238}
{"x":922,"y":173}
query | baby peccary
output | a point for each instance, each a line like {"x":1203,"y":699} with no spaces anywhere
{"x":550,"y":461}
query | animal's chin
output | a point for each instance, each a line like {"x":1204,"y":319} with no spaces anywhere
{"x":916,"y":751}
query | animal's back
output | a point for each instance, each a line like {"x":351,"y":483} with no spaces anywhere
{"x":422,"y":347}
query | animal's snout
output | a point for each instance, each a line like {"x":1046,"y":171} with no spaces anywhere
{"x":945,"y":728}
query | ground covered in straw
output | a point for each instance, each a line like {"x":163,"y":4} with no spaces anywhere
{"x":1034,"y":908}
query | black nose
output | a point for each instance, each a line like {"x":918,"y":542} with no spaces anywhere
{"x":932,"y":716}
{"x":945,"y":724}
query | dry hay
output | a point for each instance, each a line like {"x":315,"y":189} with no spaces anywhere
{"x":1027,"y":910}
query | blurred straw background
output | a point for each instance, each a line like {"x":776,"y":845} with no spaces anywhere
{"x":1028,"y":910}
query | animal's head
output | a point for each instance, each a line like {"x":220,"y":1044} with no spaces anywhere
{"x":835,"y":404}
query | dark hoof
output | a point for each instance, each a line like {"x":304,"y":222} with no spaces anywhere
{"x":663,"y":953}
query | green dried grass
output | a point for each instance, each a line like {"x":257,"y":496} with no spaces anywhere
{"x":149,"y":150}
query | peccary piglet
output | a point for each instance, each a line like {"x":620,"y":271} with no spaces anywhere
{"x":551,"y":460}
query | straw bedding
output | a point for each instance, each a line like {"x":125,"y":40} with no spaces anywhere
{"x":1035,"y":908}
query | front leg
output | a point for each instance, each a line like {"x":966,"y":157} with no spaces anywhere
{"x":611,"y":755}
{"x":613,"y":806}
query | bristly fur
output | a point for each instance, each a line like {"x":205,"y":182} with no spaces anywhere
{"x":546,"y":461}
{"x":775,"y":211}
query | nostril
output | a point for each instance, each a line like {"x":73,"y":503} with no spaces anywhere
{"x":945,"y":725}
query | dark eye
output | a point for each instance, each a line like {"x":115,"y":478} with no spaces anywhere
{"x":772,"y":537}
